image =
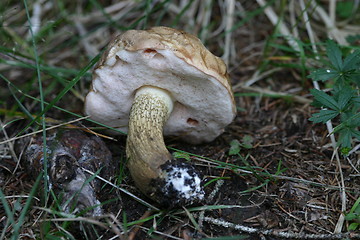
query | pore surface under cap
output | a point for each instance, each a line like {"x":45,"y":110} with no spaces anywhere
{"x":203,"y":106}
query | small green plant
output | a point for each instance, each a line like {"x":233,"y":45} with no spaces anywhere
{"x":235,"y":145}
{"x":354,"y":216}
{"x":343,"y":102}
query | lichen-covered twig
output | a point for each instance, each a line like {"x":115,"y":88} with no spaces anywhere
{"x":279,"y":232}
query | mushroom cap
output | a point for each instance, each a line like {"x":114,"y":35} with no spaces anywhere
{"x":172,"y":60}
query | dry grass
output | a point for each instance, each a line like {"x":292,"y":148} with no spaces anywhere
{"x":300,"y":186}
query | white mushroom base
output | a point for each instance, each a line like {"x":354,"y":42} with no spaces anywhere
{"x":180,"y":184}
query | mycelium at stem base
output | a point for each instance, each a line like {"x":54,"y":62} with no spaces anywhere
{"x":155,"y":173}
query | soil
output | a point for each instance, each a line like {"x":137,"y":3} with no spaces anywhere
{"x":287,"y":180}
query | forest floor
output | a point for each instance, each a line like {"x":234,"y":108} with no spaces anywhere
{"x":272,"y":174}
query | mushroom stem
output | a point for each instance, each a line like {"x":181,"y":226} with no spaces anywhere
{"x":145,"y":145}
{"x":150,"y":163}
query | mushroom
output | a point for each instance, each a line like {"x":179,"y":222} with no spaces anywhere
{"x":156,"y":82}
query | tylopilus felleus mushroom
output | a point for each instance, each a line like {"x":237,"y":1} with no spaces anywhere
{"x":157,"y":82}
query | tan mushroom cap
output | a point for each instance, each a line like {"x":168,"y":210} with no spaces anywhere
{"x":168,"y":59}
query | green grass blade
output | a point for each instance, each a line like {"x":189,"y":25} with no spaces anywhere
{"x":181,"y":13}
{"x":7,"y":208}
{"x":64,"y":91}
{"x":21,"y":106}
{"x":26,"y":208}
{"x":42,"y":105}
{"x":59,"y":108}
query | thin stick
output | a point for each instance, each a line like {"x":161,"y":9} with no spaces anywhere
{"x":230,"y":6}
{"x":36,"y":17}
{"x":11,"y":147}
{"x":274,"y":19}
{"x":292,"y":13}
{"x":332,"y":10}
{"x":296,"y":98}
{"x":121,"y":189}
{"x":39,"y":131}
{"x":333,"y":31}
{"x":91,"y":51}
{"x":329,"y":126}
{"x":162,"y":234}
{"x":136,"y":228}
{"x":277,"y":232}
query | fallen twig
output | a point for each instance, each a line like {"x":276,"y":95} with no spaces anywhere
{"x":279,"y":232}
{"x":329,"y":23}
{"x":296,"y":98}
{"x":275,"y":20}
